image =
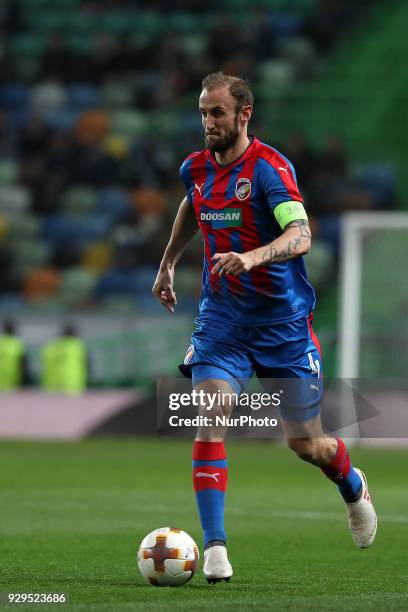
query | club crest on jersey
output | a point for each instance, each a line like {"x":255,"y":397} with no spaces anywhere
{"x":243,"y":188}
{"x":189,"y":354}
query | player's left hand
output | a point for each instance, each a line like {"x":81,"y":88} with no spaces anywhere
{"x":232,"y":263}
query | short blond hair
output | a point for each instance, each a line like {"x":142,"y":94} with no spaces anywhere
{"x":237,"y":87}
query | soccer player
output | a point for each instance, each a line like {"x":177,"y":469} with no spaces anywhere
{"x":256,"y":305}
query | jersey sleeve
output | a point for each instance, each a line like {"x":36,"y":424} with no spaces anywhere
{"x":281,"y":192}
{"x":185,"y":175}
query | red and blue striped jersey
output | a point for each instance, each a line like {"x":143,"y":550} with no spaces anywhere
{"x":234,"y":206}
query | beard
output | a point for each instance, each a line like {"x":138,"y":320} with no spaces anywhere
{"x":225,"y":143}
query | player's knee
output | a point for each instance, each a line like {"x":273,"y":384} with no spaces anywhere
{"x":213,"y":422}
{"x":305,"y":448}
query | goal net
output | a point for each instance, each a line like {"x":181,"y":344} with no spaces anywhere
{"x":374,"y":296}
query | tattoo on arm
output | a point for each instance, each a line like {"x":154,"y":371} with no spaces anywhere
{"x":273,"y":254}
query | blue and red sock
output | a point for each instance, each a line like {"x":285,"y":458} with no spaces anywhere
{"x":342,"y":473}
{"x":210,"y":474}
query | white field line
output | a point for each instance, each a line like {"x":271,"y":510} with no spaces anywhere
{"x":319,"y":516}
{"x":128,"y":506}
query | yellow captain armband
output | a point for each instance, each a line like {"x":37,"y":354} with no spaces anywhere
{"x":289,"y":211}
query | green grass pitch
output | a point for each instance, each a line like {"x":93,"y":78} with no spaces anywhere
{"x":73,"y":514}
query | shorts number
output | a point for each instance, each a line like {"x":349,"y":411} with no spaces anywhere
{"x":314,"y":365}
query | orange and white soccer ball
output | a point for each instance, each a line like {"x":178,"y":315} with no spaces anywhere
{"x":168,"y":557}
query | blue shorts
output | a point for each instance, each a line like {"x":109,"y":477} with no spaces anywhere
{"x":287,"y":351}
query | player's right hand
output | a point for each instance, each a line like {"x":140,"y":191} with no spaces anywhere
{"x":163,"y":288}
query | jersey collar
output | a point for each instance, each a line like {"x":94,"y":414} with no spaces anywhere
{"x":241,"y":157}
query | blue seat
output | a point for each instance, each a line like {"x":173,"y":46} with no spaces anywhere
{"x":83,"y":96}
{"x":9,"y":302}
{"x":144,"y":279}
{"x":113,"y":202}
{"x":117,"y":282}
{"x":285,"y":25}
{"x":380,"y":180}
{"x":63,"y":119}
{"x":61,"y":228}
{"x":13,"y":96}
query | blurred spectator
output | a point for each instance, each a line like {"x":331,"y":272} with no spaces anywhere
{"x":64,"y":363}
{"x":10,"y":16}
{"x":13,"y":364}
{"x":9,"y":283}
{"x":104,"y":60}
{"x":7,"y":136}
{"x":303,"y":158}
{"x":58,"y":62}
{"x":33,"y":137}
{"x":329,"y":19}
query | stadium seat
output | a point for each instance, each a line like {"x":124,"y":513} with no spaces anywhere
{"x":23,"y":226}
{"x":30,"y":254}
{"x":380,"y":180}
{"x":26,"y":68}
{"x":97,"y":256}
{"x":8,"y":172}
{"x":14,"y":199}
{"x":114,"y":202}
{"x":79,"y":200}
{"x":118,"y":282}
{"x":148,"y":201}
{"x":188,"y":281}
{"x":77,"y":286}
{"x":117,"y":94}
{"x":143,"y":279}
{"x":285,"y":25}
{"x":41,"y":283}
{"x":50,"y":21}
{"x":83,"y":96}
{"x":82,"y":23}
{"x":27,"y":45}
{"x":276,"y":74}
{"x":128,"y":123}
{"x":47,"y":96}
{"x":13,"y":96}
{"x":61,"y":228}
{"x":92,"y":127}
{"x":116,"y":146}
{"x":298,"y":50}
{"x":62,"y":119}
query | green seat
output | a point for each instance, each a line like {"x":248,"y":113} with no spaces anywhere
{"x":14,"y":199}
{"x":26,"y":68}
{"x":79,"y":200}
{"x":298,"y":50}
{"x":63,"y":5}
{"x":81,"y":23}
{"x":29,"y":254}
{"x":23,"y":226}
{"x":117,"y":94}
{"x":77,"y":286}
{"x":46,"y":21}
{"x":27,"y":44}
{"x":8,"y":171}
{"x":78,"y":43}
{"x":150,"y":23}
{"x":188,"y":281}
{"x":194,"y":44}
{"x":119,"y":22}
{"x":128,"y":123}
{"x":276,"y":74}
{"x":183,"y":22}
